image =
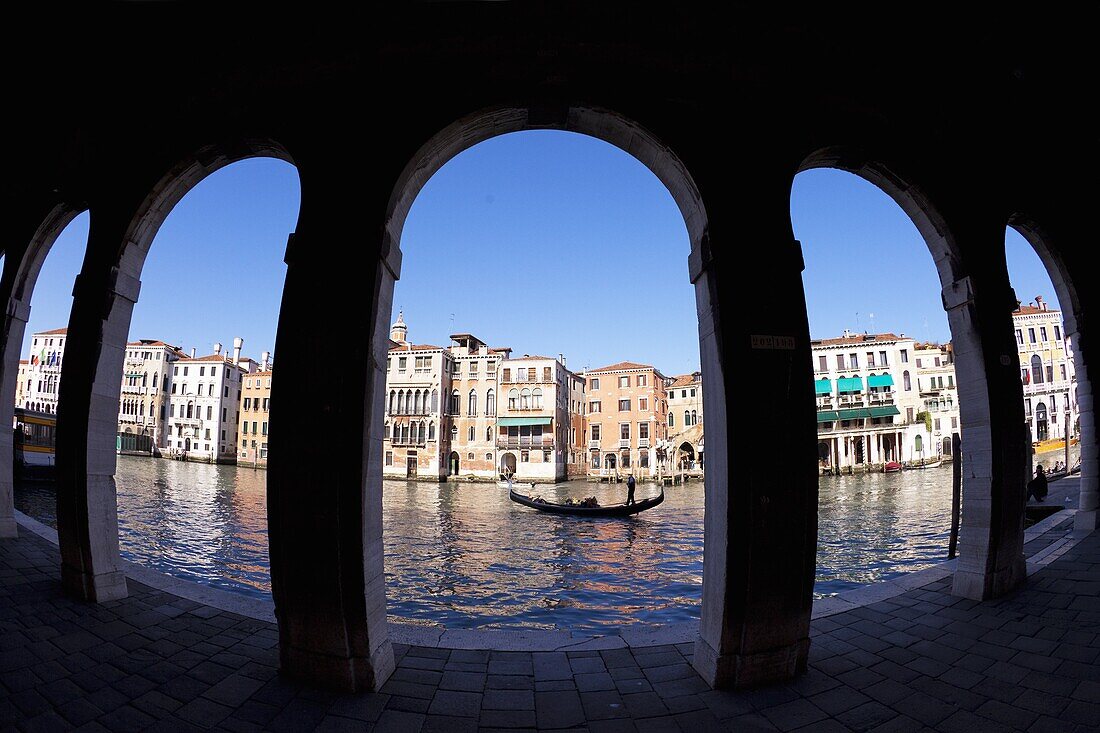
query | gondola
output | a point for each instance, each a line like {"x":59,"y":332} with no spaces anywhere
{"x":1055,"y":475}
{"x":918,"y":466}
{"x":613,"y":510}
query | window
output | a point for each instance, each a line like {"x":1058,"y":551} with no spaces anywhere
{"x":594,"y":406}
{"x":507,"y":375}
{"x":624,"y":405}
{"x":1036,"y":369}
{"x":1031,"y":335}
{"x":1050,"y":372}
{"x":209,"y":412}
{"x":954,"y":423}
{"x":1057,"y":333}
{"x":470,"y":437}
{"x":1062,"y":367}
{"x":671,"y":420}
{"x":513,"y":399}
{"x":263,"y":428}
{"x":853,"y":361}
{"x":693,"y":393}
{"x":472,"y":406}
{"x":202,"y":371}
{"x":870,"y":359}
{"x":454,"y":433}
{"x":594,"y":383}
{"x":643,"y":431}
{"x":402,"y":363}
{"x":1019,"y":337}
{"x":624,"y":382}
{"x":488,"y":434}
{"x":536,"y":399}
{"x":473,"y":375}
{"x":643,"y":404}
{"x":840,"y":361}
{"x":595,"y":432}
{"x":683,"y":394}
{"x":389,"y":458}
{"x":208,"y":433}
{"x":822,"y":363}
{"x":1042,"y":333}
{"x":531,"y":374}
{"x":906,"y":382}
{"x":936,"y":424}
{"x":454,"y":403}
{"x":491,"y":403}
{"x":435,"y":400}
{"x":882,"y":359}
{"x":950,"y":381}
{"x":431,"y":431}
{"x":247,"y":402}
{"x":1027,"y":406}
{"x":546,"y":374}
{"x":643,"y":459}
{"x":624,"y":431}
{"x":908,"y":414}
{"x":905,"y":356}
{"x":185,"y":371}
{"x":641,"y":380}
{"x":694,"y":418}
{"x":525,"y":399}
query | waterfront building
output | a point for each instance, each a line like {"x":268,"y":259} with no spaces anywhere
{"x":685,"y":422}
{"x":935,"y":374}
{"x":577,"y":464}
{"x":255,"y":407}
{"x":1046,"y":369}
{"x":417,"y":431}
{"x":627,"y":418}
{"x":143,"y":400}
{"x":43,"y":373}
{"x":472,"y":403}
{"x":534,"y":427}
{"x":204,"y":403}
{"x":867,"y":400}
{"x":21,"y":382}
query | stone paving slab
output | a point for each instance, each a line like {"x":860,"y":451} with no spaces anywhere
{"x":921,"y":660}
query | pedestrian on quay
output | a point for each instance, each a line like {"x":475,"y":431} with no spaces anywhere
{"x":630,"y":489}
{"x":1037,"y":486}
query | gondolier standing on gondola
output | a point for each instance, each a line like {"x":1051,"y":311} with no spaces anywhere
{"x":630,"y":489}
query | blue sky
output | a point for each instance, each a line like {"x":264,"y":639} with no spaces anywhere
{"x":546,"y":242}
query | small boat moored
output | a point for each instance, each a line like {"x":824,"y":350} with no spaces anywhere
{"x":891,"y":467}
{"x":612,"y":510}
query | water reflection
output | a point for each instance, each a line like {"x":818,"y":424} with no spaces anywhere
{"x":464,"y":556}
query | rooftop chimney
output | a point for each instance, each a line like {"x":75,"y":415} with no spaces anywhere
{"x":847,"y":333}
{"x":238,"y":342}
{"x":218,"y":348}
{"x":192,"y":352}
{"x":264,"y":357}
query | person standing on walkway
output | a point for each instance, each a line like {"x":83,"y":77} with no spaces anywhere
{"x":630,"y":489}
{"x":1037,"y":486}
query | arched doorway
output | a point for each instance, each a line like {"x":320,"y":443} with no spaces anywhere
{"x":452,"y":464}
{"x":1042,"y":427}
{"x":687,"y":456}
{"x":609,"y":461}
{"x":946,"y":450}
{"x":508,"y":464}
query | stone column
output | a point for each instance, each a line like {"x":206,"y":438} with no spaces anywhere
{"x":87,"y":417}
{"x":1088,"y":503}
{"x":325,"y":506}
{"x":15,"y":324}
{"x":760,"y":533}
{"x":991,"y":561}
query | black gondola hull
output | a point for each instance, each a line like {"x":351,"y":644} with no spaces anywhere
{"x":615,"y":510}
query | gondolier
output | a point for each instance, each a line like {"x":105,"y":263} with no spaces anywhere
{"x":630,"y":489}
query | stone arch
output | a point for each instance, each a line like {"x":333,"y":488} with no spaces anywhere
{"x":1044,"y":242}
{"x":21,"y":269}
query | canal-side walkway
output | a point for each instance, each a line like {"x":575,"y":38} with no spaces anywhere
{"x":920,"y":660}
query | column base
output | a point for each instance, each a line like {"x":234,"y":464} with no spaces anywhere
{"x":723,"y":671}
{"x":1082,"y":521}
{"x":94,"y":588}
{"x":343,"y":674}
{"x":9,"y":528}
{"x":984,"y":586}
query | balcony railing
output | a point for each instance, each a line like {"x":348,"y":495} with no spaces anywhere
{"x":525,"y":441}
{"x":594,"y":444}
{"x":643,"y":442}
{"x":409,"y":441}
{"x":624,"y":443}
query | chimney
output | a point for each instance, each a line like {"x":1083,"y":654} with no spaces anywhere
{"x":238,"y":342}
{"x":218,"y":348}
{"x":264,"y":357}
{"x":561,"y":358}
{"x":192,"y":352}
{"x":847,"y":333}
{"x":1039,"y":302}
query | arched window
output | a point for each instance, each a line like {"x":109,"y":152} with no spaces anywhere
{"x":141,"y":409}
{"x":489,"y":457}
{"x":190,"y":409}
{"x":525,"y":399}
{"x":421,"y":432}
{"x":405,"y":432}
{"x":470,"y":456}
{"x":400,"y":401}
{"x":671,"y":419}
{"x":1036,"y":369}
{"x":417,"y":403}
{"x":393,"y":401}
{"x":454,"y":433}
{"x":145,"y":379}
{"x":694,"y":418}
{"x":687,"y":418}
{"x":491,"y":403}
{"x":154,"y":380}
{"x":435,"y":400}
{"x":488,"y":434}
{"x":431,"y":431}
{"x":906,"y":381}
{"x":472,"y":407}
{"x":470,"y":437}
{"x":454,"y":403}
{"x":536,"y":399}
{"x":513,"y":399}
{"x":386,"y":432}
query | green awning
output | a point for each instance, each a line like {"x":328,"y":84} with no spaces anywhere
{"x":508,"y":421}
{"x":827,"y":416}
{"x":880,"y":380}
{"x":884,"y":411}
{"x":855,"y":414}
{"x":849,"y":384}
{"x":823,"y":386}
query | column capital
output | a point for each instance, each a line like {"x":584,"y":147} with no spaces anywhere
{"x":119,"y":285}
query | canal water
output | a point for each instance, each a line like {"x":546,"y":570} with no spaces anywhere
{"x":464,"y":556}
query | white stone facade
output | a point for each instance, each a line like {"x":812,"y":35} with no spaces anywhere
{"x":42,"y":377}
{"x":204,"y":404}
{"x":1046,"y":370}
{"x":143,"y":401}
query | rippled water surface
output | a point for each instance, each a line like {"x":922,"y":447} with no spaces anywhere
{"x":465,"y":556}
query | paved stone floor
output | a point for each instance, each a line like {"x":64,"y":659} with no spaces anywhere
{"x":921,"y":661}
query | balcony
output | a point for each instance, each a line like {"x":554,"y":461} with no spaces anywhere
{"x":135,"y":389}
{"x":881,"y":398}
{"x":624,"y":443}
{"x":593,"y":445}
{"x":526,"y":441}
{"x":189,"y":421}
{"x":643,"y":442}
{"x":410,"y":442}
